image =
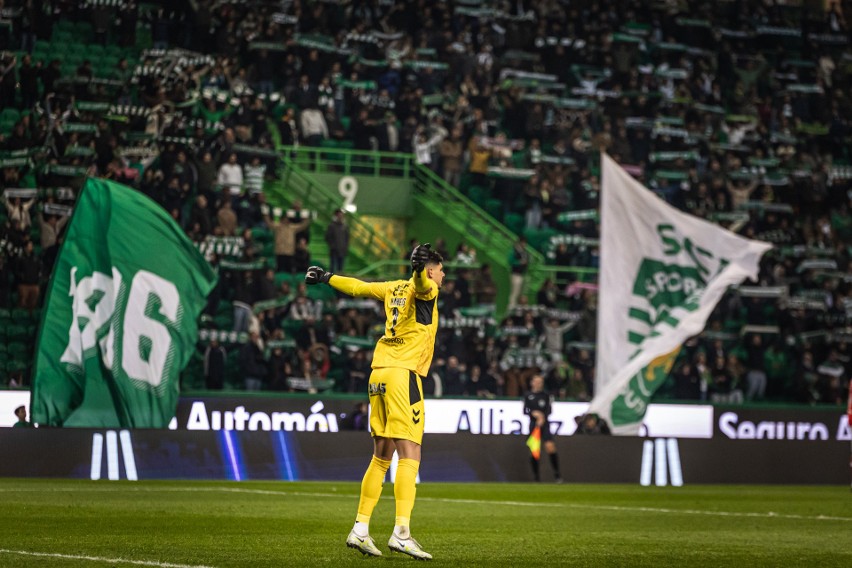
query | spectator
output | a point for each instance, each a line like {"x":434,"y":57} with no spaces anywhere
{"x":337,"y":238}
{"x":519,"y":261}
{"x":687,"y":383}
{"x":230,"y":178}
{"x":284,"y":232}
{"x":29,"y":278}
{"x":252,"y":363}
{"x":227,"y":219}
{"x":50,"y":226}
{"x":21,"y":414}
{"x":314,"y":127}
{"x":280,"y":369}
{"x":756,"y":376}
{"x":301,"y":257}
{"x":451,"y":150}
{"x":214,"y":365}
{"x":19,"y":210}
{"x":253,"y":174}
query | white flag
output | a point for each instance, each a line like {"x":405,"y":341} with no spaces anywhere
{"x":662,"y":273}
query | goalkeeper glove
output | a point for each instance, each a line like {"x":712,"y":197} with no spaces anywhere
{"x":316,"y":275}
{"x":419,"y":257}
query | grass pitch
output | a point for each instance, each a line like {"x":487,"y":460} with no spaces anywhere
{"x":63,"y":523}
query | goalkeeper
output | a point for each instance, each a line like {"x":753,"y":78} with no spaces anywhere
{"x":402,"y":355}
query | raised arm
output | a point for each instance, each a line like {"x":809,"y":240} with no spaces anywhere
{"x":351,"y":286}
{"x":359,"y":288}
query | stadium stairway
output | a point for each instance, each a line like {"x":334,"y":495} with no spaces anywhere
{"x":443,"y":207}
{"x":366,"y":247}
{"x":442,"y":211}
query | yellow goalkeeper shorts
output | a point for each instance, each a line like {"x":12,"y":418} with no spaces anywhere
{"x":396,"y":404}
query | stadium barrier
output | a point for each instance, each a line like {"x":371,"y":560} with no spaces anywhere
{"x":292,"y":456}
{"x":329,"y":414}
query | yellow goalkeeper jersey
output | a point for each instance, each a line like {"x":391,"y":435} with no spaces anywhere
{"x":411,"y":308}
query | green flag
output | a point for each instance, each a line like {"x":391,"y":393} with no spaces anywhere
{"x":119,"y":322}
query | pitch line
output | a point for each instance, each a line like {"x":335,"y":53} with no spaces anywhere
{"x":618,"y":508}
{"x":101,"y":559}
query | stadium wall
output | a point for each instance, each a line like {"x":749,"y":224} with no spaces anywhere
{"x":292,"y":456}
{"x":304,"y":437}
{"x":372,"y":195}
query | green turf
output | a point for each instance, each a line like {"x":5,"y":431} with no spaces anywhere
{"x":258,"y":524}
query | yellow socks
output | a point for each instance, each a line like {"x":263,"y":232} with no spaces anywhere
{"x":404,"y":490}
{"x":371,"y":488}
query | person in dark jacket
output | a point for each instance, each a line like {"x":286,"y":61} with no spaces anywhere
{"x":252,"y":363}
{"x":337,"y":237}
{"x":29,"y":277}
{"x":214,"y":366}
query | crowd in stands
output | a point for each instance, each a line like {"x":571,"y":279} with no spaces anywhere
{"x":733,"y":111}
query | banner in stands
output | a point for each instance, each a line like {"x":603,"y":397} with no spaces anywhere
{"x":295,"y":456}
{"x":119,"y":322}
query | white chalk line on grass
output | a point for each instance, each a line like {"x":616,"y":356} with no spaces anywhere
{"x":618,"y":508}
{"x":100,"y":559}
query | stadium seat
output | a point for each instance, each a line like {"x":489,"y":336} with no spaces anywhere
{"x":478,"y":195}
{"x":538,"y":238}
{"x":494,"y":207}
{"x":16,"y":348}
{"x":95,"y":50}
{"x":324,"y":293}
{"x":514,"y":222}
{"x":10,"y":114}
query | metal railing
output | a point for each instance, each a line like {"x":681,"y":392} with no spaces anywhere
{"x":364,"y":240}
{"x":345,"y":161}
{"x":392,"y":269}
{"x":481,"y":230}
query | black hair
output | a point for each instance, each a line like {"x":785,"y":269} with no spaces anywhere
{"x":435,"y":257}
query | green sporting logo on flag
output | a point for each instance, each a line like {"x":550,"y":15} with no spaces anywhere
{"x":662,"y":273}
{"x":119,"y":322}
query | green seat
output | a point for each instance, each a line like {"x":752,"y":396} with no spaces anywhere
{"x":324,"y":293}
{"x":83,"y":31}
{"x":115,"y":50}
{"x":17,"y":365}
{"x":75,"y":59}
{"x":478,"y":195}
{"x":261,"y":234}
{"x":108,"y":62}
{"x":10,"y":114}
{"x":514,"y":222}
{"x":283,"y":277}
{"x":539,"y":238}
{"x":16,"y":347}
{"x":494,"y":207}
{"x":95,"y":51}
{"x":224,"y":322}
{"x":63,"y":37}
